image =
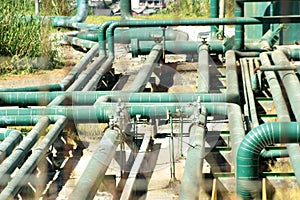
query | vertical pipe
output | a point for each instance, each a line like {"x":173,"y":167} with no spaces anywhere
{"x":37,"y":7}
{"x":214,"y":6}
{"x":239,"y":29}
{"x":93,"y":175}
{"x":125,"y":7}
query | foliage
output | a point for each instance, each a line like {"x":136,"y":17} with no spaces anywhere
{"x":56,"y":7}
{"x":23,"y":38}
{"x":188,"y":8}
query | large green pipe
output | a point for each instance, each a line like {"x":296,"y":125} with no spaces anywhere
{"x":12,"y":138}
{"x":239,"y":28}
{"x":22,"y":177}
{"x":82,"y":13}
{"x":124,"y":35}
{"x":88,"y":98}
{"x":247,"y":169}
{"x":142,"y":78}
{"x":203,"y":69}
{"x":93,"y":175}
{"x":12,"y":162}
{"x":205,"y":22}
{"x":191,"y":180}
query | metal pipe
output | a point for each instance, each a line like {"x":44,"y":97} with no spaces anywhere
{"x":89,"y":97}
{"x":191,"y":22}
{"x":142,"y":78}
{"x":12,"y":139}
{"x":239,"y":28}
{"x":191,"y":180}
{"x":214,"y":13}
{"x":278,"y":68}
{"x":12,"y":162}
{"x":93,"y":175}
{"x":23,"y":175}
{"x":125,"y":8}
{"x":80,"y":42}
{"x":203,"y":69}
{"x":124,"y":35}
{"x":248,"y":185}
{"x":93,"y":81}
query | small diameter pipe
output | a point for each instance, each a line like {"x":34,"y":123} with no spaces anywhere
{"x":12,"y":162}
{"x":247,"y":169}
{"x":142,"y":78}
{"x":11,"y":140}
{"x":23,"y":175}
{"x":93,"y":175}
{"x":203,"y":69}
{"x":214,"y":13}
{"x":278,"y":68}
{"x":191,"y":180}
{"x":80,"y":42}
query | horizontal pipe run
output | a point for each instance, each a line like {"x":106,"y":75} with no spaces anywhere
{"x":80,"y":42}
{"x":89,"y":97}
{"x":191,"y":22}
{"x":93,"y":175}
{"x":12,"y":162}
{"x":23,"y":175}
{"x":124,"y":35}
{"x":247,"y":169}
{"x":277,"y":68}
{"x":9,"y":143}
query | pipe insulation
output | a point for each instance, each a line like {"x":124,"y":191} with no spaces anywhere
{"x":93,"y":175}
{"x":191,"y":180}
{"x":11,"y":140}
{"x":22,"y":177}
{"x":248,"y":185}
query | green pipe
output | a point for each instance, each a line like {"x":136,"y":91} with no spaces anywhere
{"x":22,"y":177}
{"x":12,"y":162}
{"x":292,"y":51}
{"x":93,"y":81}
{"x":125,"y":9}
{"x":142,"y":78}
{"x":124,"y":35}
{"x":82,"y":13}
{"x":204,"y":22}
{"x":275,"y":153}
{"x":247,"y":171}
{"x":203,"y":69}
{"x":270,"y":38}
{"x":9,"y":143}
{"x":24,"y":120}
{"x":93,"y":175}
{"x":214,"y":13}
{"x":89,"y":97}
{"x":5,"y":132}
{"x":79,"y":42}
{"x":191,"y":180}
{"x":278,"y":68}
{"x":239,"y":28}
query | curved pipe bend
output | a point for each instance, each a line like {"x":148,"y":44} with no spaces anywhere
{"x":247,"y":169}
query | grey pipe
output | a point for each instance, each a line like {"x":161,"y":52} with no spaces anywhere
{"x":9,"y":143}
{"x":142,"y":78}
{"x":93,"y":175}
{"x":203,"y":69}
{"x":23,"y":175}
{"x":11,"y":163}
{"x":248,"y":185}
{"x":191,"y":180}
